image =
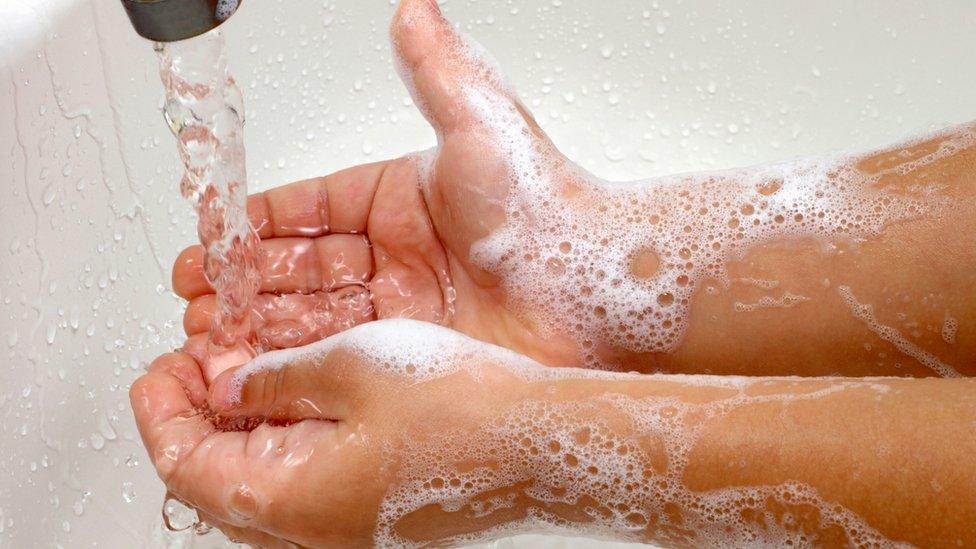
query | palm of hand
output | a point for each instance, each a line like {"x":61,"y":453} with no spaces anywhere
{"x":389,"y":239}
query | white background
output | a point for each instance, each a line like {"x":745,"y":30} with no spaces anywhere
{"x":90,"y":216}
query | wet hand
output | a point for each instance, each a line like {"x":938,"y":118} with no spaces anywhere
{"x":302,"y":449}
{"x":390,"y":239}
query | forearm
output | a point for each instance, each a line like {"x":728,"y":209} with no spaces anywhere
{"x":705,"y":462}
{"x":853,"y":266}
{"x":917,"y":275}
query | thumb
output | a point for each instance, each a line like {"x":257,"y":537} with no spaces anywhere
{"x":448,"y":77}
{"x":312,"y":382}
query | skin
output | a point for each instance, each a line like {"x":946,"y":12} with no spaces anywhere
{"x":900,"y":459}
{"x":412,"y":247}
{"x":895,"y":452}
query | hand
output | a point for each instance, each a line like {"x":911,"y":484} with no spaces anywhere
{"x":385,"y":240}
{"x":405,"y":433}
{"x":331,"y":424}
{"x":795,"y":269}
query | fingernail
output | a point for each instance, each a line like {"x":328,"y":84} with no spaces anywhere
{"x":435,"y":6}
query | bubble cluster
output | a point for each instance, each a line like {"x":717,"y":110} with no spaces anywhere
{"x":408,"y":348}
{"x":865,"y":313}
{"x":786,"y":301}
{"x":949,"y":328}
{"x":619,"y":263}
{"x":570,"y":471}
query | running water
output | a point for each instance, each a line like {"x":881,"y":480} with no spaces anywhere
{"x":205,"y":110}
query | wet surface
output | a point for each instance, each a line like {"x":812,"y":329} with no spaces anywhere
{"x":94,"y":220}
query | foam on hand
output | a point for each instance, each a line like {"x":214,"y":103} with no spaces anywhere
{"x":568,"y":247}
{"x":617,"y":264}
{"x":573,"y":259}
{"x":411,"y":349}
{"x":547,"y":456}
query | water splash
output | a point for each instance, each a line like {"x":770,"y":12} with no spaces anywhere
{"x":205,"y":110}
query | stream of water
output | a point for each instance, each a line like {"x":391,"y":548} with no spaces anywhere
{"x":205,"y":110}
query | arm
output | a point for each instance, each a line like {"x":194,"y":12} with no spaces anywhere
{"x":675,"y":463}
{"x":898,"y":298}
{"x":399,"y":432}
{"x":859,"y":265}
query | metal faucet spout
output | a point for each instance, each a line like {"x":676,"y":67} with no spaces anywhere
{"x":173,"y":20}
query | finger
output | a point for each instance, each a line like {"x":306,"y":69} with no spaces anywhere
{"x":337,"y":203}
{"x":239,"y":477}
{"x":199,"y":314}
{"x":290,"y":265}
{"x":308,"y":265}
{"x":168,"y":420}
{"x":314,"y":382}
{"x":440,"y":68}
{"x":187,"y":371}
{"x":291,"y":320}
{"x":214,"y":360}
{"x":248,"y":536}
{"x":188,"y":278}
{"x":246,"y":478}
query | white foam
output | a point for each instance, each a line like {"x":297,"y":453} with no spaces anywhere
{"x":548,"y":455}
{"x":409,"y":348}
{"x":565,"y":249}
{"x":570,"y":259}
{"x":865,"y":312}
{"x":786,"y":301}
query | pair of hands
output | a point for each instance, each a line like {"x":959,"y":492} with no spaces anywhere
{"x":365,"y":244}
{"x":348,"y":253}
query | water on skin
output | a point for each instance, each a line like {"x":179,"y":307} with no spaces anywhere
{"x":205,"y":110}
{"x":573,"y":453}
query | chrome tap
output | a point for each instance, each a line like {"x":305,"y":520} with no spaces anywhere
{"x":173,"y":20}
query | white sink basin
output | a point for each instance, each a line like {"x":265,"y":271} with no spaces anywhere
{"x":92,"y":218}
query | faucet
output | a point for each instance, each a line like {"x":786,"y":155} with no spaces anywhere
{"x":173,"y":20}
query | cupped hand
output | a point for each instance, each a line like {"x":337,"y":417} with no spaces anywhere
{"x":390,"y":239}
{"x":303,"y":448}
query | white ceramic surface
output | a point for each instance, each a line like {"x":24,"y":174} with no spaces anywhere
{"x":91,"y":218}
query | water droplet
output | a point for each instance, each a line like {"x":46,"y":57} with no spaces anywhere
{"x":73,"y":317}
{"x":50,"y":192}
{"x":177,"y":517}
{"x":97,"y":441}
{"x":105,"y":428}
